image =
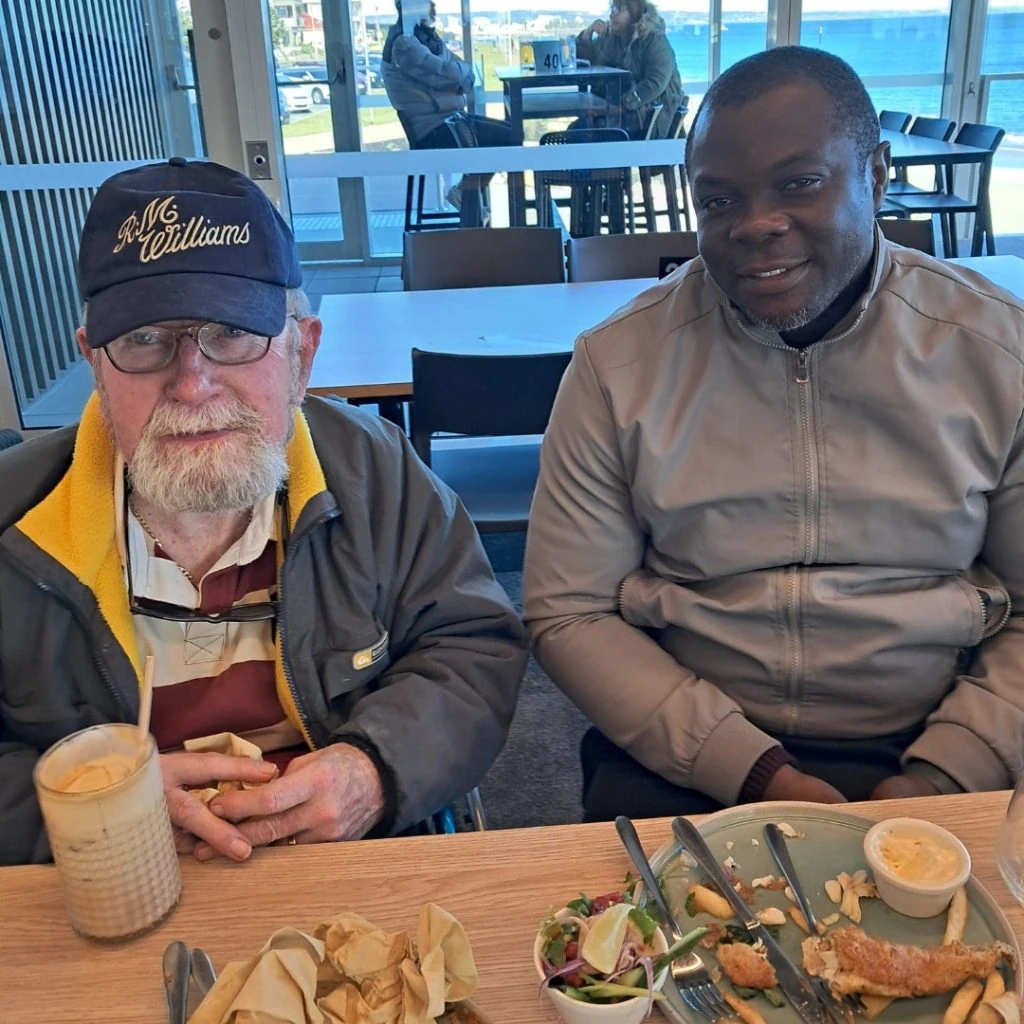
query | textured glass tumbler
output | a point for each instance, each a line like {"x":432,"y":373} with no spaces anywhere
{"x":113,"y":846}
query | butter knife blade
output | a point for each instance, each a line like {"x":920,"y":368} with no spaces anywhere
{"x":203,"y":973}
{"x":795,"y":985}
{"x":176,"y":969}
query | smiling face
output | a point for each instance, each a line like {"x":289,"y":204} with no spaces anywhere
{"x":785,"y":203}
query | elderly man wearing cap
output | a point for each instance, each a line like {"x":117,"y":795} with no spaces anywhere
{"x":297,"y":575}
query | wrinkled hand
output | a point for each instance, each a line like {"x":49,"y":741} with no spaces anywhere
{"x":790,"y":784}
{"x":190,"y":817}
{"x":324,"y":796}
{"x":897,"y":786}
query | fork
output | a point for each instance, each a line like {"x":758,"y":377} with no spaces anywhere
{"x":776,"y":840}
{"x":690,"y":976}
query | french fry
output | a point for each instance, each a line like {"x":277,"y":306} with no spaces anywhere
{"x":874,"y":1005}
{"x":744,"y":1011}
{"x":801,"y":922}
{"x":956,"y":919}
{"x":707,"y":901}
{"x":994,"y":987}
{"x":963,"y":1002}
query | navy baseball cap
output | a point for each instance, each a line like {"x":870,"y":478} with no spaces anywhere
{"x":184,"y":240}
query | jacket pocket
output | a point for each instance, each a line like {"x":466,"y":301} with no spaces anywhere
{"x":357,"y":665}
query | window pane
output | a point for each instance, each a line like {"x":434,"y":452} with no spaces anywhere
{"x":876,"y":45}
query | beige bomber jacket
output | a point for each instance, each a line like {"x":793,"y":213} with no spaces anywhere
{"x":731,"y":536}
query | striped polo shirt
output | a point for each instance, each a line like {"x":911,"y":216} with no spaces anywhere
{"x":211,"y":677}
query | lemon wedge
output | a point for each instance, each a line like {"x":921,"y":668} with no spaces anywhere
{"x":603,"y":943}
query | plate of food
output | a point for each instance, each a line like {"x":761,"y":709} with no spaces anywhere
{"x":827,"y":844}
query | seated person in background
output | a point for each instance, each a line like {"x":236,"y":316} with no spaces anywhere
{"x":776,"y":549}
{"x":634,"y":38}
{"x":297,"y":574}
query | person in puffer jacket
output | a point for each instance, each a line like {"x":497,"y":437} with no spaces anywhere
{"x":426,"y":83}
{"x":634,"y":38}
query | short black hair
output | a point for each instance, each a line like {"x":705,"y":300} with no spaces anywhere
{"x":854,"y":113}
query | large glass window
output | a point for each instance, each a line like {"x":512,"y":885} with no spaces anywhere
{"x":1003,"y":68}
{"x":900,"y":55}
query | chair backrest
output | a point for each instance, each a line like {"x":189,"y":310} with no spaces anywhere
{"x":479,"y":257}
{"x":894,"y":120}
{"x":984,"y":136}
{"x":482,"y":396}
{"x":933,"y":128}
{"x":613,"y":257}
{"x":581,"y":135}
{"x":914,"y":234}
{"x":652,"y":119}
{"x":677,"y":128}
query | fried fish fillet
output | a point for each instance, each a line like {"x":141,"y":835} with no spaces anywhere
{"x":854,"y":962}
{"x":745,"y":966}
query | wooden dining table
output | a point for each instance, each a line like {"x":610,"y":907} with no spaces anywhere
{"x":368,"y":338}
{"x":499,"y":884}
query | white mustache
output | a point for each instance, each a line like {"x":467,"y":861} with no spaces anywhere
{"x":170,"y":419}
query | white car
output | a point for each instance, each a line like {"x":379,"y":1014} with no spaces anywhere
{"x":297,"y":94}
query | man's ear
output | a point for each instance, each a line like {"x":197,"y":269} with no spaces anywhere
{"x":310,"y":330}
{"x":83,"y":345}
{"x":879,"y":164}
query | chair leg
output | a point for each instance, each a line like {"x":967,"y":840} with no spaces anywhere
{"x":668,"y":177}
{"x":410,"y":183}
{"x":419,"y":198}
{"x":648,"y":199}
{"x":953,"y":246}
{"x":476,"y":809}
{"x":685,"y":196}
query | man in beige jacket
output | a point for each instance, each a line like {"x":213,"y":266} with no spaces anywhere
{"x":776,"y":548}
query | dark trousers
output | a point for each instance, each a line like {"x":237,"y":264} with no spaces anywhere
{"x":614,"y":783}
{"x":488,"y":132}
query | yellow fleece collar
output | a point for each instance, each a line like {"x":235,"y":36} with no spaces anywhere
{"x":75,"y":523}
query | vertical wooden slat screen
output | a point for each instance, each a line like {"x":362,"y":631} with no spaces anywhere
{"x":77,"y":84}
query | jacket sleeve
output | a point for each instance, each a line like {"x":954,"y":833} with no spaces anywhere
{"x":433,"y":71}
{"x":586,"y":46}
{"x":22,"y":837}
{"x":443,"y":707}
{"x":585,"y":552}
{"x":976,"y":735}
{"x":658,"y":64}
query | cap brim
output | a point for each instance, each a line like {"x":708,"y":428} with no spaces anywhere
{"x":254,"y":306}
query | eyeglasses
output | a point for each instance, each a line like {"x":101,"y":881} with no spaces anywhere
{"x":150,"y":349}
{"x":257,"y":612}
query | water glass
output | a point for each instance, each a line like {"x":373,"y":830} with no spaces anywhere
{"x":102,"y":799}
{"x":1010,"y":844}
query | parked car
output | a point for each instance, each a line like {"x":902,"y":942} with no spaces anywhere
{"x":320,"y":89}
{"x":294,"y":83}
{"x":370,"y":66}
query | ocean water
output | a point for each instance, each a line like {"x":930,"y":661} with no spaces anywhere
{"x":902,"y":45}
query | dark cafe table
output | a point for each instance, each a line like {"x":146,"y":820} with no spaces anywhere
{"x":544,"y":100}
{"x":915,"y":151}
{"x":500,"y":885}
{"x":519,"y":319}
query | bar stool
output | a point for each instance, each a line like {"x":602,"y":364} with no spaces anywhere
{"x":667,"y":173}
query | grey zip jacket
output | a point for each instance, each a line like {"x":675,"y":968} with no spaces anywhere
{"x":731,"y":536}
{"x":392,"y":635}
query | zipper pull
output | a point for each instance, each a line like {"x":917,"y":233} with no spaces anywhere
{"x":802,"y":375}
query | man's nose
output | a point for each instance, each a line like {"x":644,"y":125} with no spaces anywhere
{"x":759,"y":221}
{"x":192,"y":377}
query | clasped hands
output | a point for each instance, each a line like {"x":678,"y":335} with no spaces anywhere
{"x":324,"y":796}
{"x":788,"y":783}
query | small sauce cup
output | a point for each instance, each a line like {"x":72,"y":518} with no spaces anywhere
{"x":917,"y":866}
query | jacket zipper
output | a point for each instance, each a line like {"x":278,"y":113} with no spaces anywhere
{"x":289,"y":678}
{"x":803,"y":379}
{"x":792,"y":708}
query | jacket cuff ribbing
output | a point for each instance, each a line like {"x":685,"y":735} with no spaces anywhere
{"x":761,"y":774}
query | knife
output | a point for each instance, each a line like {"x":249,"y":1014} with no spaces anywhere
{"x":203,"y":973}
{"x":795,"y":985}
{"x":177,"y":967}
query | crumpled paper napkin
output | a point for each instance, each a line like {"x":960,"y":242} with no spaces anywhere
{"x":347,"y":972}
{"x":222,"y":743}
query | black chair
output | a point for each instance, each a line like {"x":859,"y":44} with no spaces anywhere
{"x":485,"y":397}
{"x":481,"y":258}
{"x":947,"y":205}
{"x":595,"y":193}
{"x":614,"y":257}
{"x":667,"y":173}
{"x":894,"y":120}
{"x":914,"y":234}
{"x":416,"y":219}
{"x":941,"y":128}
